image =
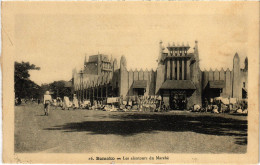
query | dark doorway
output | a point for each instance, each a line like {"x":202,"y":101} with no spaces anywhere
{"x":213,"y":92}
{"x":140,"y":91}
{"x":244,"y":93}
{"x":178,"y":100}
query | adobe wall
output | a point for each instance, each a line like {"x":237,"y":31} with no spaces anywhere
{"x":128,"y":77}
{"x":91,"y":68}
{"x":218,"y":75}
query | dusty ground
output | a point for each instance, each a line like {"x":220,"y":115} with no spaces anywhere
{"x":113,"y":132}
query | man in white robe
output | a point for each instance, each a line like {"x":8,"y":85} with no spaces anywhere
{"x":47,"y":101}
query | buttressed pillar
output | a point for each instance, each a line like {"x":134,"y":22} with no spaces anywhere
{"x":123,"y":87}
{"x":178,"y":69}
{"x":173,"y":70}
{"x":182,"y":69}
{"x":236,"y":91}
{"x":188,"y":70}
{"x":168,"y":70}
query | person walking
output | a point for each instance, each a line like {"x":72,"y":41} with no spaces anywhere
{"x":47,"y":101}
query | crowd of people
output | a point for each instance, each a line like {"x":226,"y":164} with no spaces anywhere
{"x":222,"y":105}
{"x":134,"y":103}
{"x":138,"y":103}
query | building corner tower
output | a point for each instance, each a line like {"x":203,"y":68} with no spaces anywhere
{"x":123,"y":82}
{"x":196,"y":77}
{"x":160,"y":69}
{"x":236,"y":91}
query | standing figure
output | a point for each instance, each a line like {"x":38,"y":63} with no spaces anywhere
{"x":75,"y":102}
{"x":67,"y":103}
{"x":47,"y":101}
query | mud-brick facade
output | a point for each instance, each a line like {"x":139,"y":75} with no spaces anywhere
{"x":177,"y":77}
{"x":226,"y":83}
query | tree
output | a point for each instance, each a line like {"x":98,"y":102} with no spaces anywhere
{"x":59,"y":89}
{"x":23,"y":86}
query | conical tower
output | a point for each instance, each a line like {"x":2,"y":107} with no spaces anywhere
{"x":236,"y":91}
{"x":160,"y":71}
{"x":196,"y":76}
{"x":160,"y":52}
{"x":196,"y":53}
{"x":246,"y":64}
{"x":123,"y":83}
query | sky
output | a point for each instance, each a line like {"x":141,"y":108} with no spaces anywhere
{"x":57,"y":42}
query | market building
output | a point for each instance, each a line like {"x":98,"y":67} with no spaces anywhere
{"x":178,"y":79}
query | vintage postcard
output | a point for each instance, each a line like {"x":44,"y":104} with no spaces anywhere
{"x":130,"y":82}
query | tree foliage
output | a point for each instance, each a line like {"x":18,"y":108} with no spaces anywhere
{"x":24,"y":87}
{"x":59,"y":89}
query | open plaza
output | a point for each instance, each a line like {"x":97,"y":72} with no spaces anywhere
{"x":96,"y":131}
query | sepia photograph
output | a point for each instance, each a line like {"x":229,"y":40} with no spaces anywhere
{"x":129,"y":82}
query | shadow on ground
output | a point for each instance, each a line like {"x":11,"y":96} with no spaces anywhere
{"x":131,"y":124}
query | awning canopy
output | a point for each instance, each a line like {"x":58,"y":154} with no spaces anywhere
{"x":217,"y":84}
{"x":178,"y":84}
{"x":139,"y":84}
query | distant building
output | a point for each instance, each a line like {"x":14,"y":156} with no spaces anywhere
{"x":98,"y":64}
{"x":178,"y":78}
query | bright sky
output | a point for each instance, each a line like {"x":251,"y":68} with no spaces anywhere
{"x":58,"y":41}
